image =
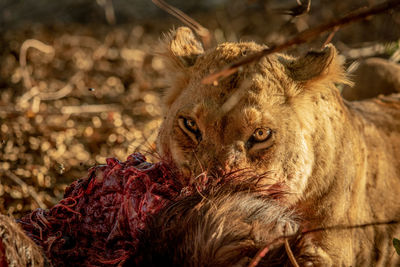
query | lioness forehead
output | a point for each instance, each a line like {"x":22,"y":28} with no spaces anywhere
{"x":226,"y":53}
{"x":265,"y":80}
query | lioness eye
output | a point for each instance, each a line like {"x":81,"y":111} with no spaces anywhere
{"x":261,"y":134}
{"x":190,"y":127}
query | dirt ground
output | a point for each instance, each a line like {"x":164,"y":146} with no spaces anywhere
{"x":74,"y":91}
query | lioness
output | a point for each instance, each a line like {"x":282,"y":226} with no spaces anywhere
{"x":373,"y":76}
{"x":339,"y":161}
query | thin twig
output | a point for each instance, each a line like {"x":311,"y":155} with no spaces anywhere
{"x":26,"y":188}
{"x":261,"y":254}
{"x":37,"y":96}
{"x":90,"y":109}
{"x":63,"y":91}
{"x":58,"y":94}
{"x":303,"y":37}
{"x":194,"y":25}
{"x":109,"y":11}
{"x":22,"y":57}
{"x":330,"y":36}
{"x":289,"y":252}
{"x":34,"y":91}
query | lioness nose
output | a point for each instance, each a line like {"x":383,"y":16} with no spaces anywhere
{"x":239,"y":146}
{"x":235,"y":156}
{"x":233,"y":163}
{"x":229,"y":159}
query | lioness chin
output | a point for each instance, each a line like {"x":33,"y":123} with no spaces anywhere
{"x":338,"y":161}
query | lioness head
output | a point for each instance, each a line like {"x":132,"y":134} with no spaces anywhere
{"x":265,"y":118}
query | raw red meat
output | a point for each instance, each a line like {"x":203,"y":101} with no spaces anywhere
{"x":101,"y":217}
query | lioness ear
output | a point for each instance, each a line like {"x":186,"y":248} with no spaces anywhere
{"x":182,"y":47}
{"x":180,"y":50}
{"x":317,"y":66}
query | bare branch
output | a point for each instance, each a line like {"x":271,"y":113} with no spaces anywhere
{"x":109,"y":10}
{"x":194,"y":25}
{"x":90,"y":109}
{"x":63,"y":91}
{"x":330,"y":36}
{"x":261,"y":254}
{"x":303,"y":37}
{"x":38,"y":96}
{"x":22,"y":57}
{"x":288,"y":250}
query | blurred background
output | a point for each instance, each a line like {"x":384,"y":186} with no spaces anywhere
{"x":79,"y":81}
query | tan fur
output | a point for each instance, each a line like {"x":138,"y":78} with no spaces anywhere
{"x":339,"y":160}
{"x":224,"y":227}
{"x":20,"y":250}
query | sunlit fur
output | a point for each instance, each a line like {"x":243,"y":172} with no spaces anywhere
{"x":340,"y":160}
{"x":19,"y":249}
